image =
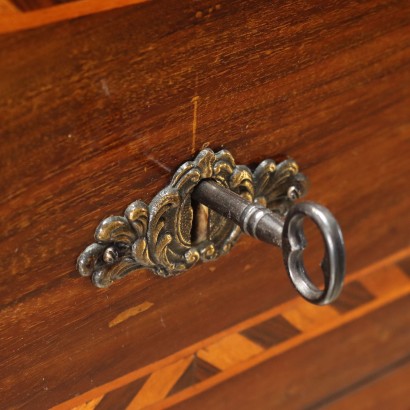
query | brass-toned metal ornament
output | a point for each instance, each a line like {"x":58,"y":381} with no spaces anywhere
{"x":200,"y":215}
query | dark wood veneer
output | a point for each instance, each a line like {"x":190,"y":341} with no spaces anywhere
{"x":98,"y":111}
{"x":314,"y":376}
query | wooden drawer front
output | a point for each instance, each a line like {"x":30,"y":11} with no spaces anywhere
{"x":99,"y":111}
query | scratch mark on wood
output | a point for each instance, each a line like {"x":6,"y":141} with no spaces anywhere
{"x":195,"y":100}
{"x":159,"y":163}
{"x":105,"y":88}
{"x":129,"y":313}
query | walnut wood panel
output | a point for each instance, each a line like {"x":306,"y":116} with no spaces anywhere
{"x":99,"y":111}
{"x":387,"y":389}
{"x":315,"y":376}
{"x":222,"y":357}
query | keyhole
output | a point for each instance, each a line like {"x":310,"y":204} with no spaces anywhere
{"x":199,"y":230}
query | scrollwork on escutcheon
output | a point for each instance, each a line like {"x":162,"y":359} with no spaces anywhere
{"x":161,"y":236}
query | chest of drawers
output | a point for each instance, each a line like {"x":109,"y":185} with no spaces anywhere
{"x":98,"y":108}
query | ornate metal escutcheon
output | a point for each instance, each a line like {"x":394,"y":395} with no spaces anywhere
{"x":200,"y":215}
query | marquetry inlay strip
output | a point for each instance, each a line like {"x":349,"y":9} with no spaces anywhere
{"x":7,"y":6}
{"x":28,"y":5}
{"x":228,"y":351}
{"x":89,"y":405}
{"x":159,"y":384}
{"x":246,"y":345}
{"x":16,"y":18}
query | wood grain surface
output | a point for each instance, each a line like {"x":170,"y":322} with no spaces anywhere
{"x":330,"y":374}
{"x":99,"y":111}
{"x":7,"y":7}
{"x":291,"y":356}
